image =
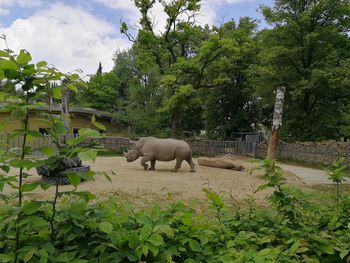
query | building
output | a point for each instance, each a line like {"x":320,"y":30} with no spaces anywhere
{"x":79,"y":118}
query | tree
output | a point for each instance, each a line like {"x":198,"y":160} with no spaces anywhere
{"x":99,"y":69}
{"x":102,"y":92}
{"x":230,"y":102}
{"x":308,"y":52}
{"x":166,"y":52}
{"x":139,"y":89}
{"x":276,"y":124}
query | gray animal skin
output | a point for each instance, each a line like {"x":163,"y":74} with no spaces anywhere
{"x":152,"y":149}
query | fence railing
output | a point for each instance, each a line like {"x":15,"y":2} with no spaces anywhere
{"x":205,"y":147}
{"x":223,"y":147}
{"x":10,"y":141}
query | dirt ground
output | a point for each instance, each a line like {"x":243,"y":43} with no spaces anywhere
{"x":135,"y":184}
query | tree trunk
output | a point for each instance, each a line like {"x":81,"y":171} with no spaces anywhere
{"x":175,"y":120}
{"x":277,"y":123}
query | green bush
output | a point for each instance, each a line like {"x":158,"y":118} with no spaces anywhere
{"x":110,"y":232}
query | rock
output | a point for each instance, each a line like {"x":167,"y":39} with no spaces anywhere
{"x":57,"y":174}
{"x":72,"y":162}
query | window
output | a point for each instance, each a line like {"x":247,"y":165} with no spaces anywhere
{"x":44,"y":131}
{"x":75,"y":132}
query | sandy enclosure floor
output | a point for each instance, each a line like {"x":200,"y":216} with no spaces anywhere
{"x":135,"y":184}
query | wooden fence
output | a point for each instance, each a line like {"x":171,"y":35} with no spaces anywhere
{"x":10,"y":141}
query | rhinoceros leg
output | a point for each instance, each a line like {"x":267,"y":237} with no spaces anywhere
{"x":153,"y":163}
{"x":177,"y":165}
{"x":191,"y":163}
{"x":144,"y":160}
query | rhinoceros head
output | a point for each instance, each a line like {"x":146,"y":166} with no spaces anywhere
{"x":131,"y":155}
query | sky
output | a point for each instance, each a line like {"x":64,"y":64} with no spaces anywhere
{"x":78,"y":34}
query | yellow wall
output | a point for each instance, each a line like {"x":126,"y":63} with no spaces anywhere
{"x":77,"y":121}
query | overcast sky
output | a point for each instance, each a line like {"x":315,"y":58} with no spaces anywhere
{"x":78,"y":34}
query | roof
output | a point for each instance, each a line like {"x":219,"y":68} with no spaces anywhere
{"x":80,"y":111}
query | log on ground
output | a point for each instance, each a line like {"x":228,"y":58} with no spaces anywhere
{"x":225,"y":162}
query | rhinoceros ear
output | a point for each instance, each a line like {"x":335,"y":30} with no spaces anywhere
{"x":132,"y":142}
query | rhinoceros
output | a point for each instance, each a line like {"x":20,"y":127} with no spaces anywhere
{"x":152,"y":149}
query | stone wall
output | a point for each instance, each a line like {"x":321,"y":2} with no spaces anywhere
{"x":109,"y":143}
{"x":310,"y":152}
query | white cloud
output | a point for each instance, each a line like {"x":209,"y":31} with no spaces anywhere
{"x":127,"y":5}
{"x":6,"y":4}
{"x":207,"y":14}
{"x":69,"y":38}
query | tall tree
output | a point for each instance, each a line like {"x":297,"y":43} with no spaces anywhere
{"x":102,"y":92}
{"x":230,"y":102}
{"x":164,"y":51}
{"x":308,"y":52}
{"x":99,"y":69}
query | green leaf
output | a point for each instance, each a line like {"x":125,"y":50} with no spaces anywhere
{"x":86,"y":196}
{"x":8,"y":64}
{"x":28,"y":256}
{"x":41,"y":64}
{"x":165,"y":229}
{"x":12,"y":74}
{"x":145,"y":250}
{"x":344,"y":253}
{"x":97,"y":124}
{"x":38,"y":221}
{"x":4,"y":54}
{"x":154,"y":249}
{"x":18,"y":163}
{"x":145,"y":232}
{"x":24,"y":57}
{"x":194,"y":245}
{"x":156,"y":240}
{"x":29,"y":187}
{"x":5,"y":168}
{"x":48,"y":151}
{"x":89,"y":155}
{"x":83,"y":135}
{"x":2,"y":76}
{"x":72,"y":87}
{"x":294,"y":247}
{"x":57,"y":92}
{"x":73,"y":77}
{"x":7,"y":257}
{"x":29,"y":70}
{"x":264,"y":252}
{"x":30,"y":208}
{"x":226,"y":259}
{"x":74,"y":179}
{"x":106,"y":227}
{"x":328,"y":249}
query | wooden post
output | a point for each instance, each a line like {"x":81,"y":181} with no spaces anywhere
{"x":65,"y":111}
{"x":277,"y":123}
